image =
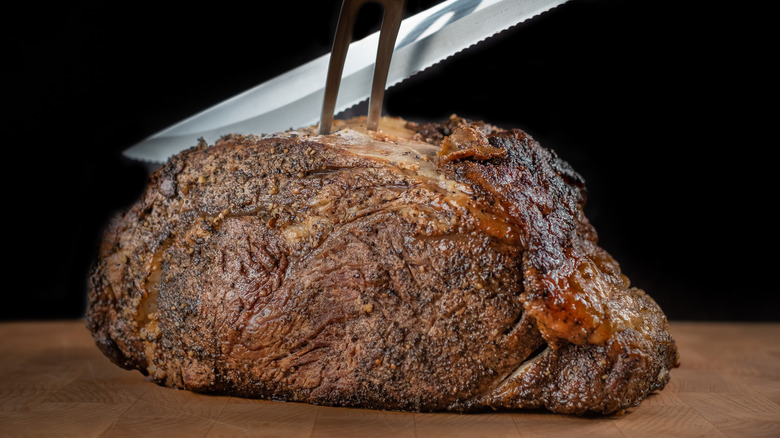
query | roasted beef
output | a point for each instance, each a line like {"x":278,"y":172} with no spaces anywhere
{"x":423,"y":267}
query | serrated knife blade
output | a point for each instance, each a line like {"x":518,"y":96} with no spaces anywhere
{"x":294,"y":99}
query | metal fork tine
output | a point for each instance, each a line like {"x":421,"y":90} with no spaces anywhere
{"x":391,"y":21}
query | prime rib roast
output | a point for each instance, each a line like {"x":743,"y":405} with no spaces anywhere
{"x":422,"y":267}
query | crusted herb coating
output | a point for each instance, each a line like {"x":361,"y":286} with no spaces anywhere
{"x":426,"y":267}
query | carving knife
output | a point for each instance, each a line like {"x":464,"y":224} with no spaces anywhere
{"x":294,"y":99}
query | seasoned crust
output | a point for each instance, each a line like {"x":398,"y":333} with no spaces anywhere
{"x":375,"y":270}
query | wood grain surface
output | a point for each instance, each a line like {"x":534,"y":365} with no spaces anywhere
{"x":55,"y":382}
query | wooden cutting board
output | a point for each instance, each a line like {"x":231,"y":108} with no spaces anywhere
{"x":55,"y":382}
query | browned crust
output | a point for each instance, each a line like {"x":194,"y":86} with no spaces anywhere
{"x":291,"y":268}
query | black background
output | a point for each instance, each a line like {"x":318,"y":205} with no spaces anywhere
{"x":668,"y":110}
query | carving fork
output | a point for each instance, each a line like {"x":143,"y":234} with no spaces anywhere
{"x":391,"y":21}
